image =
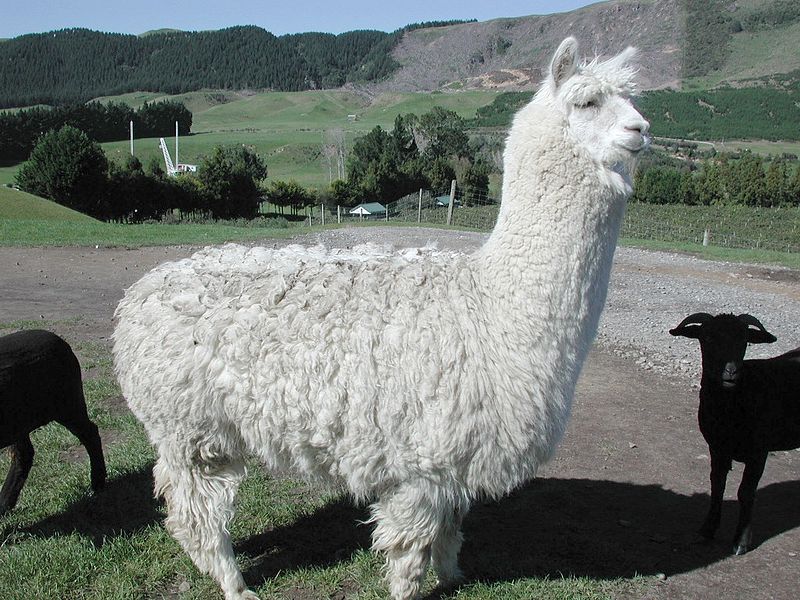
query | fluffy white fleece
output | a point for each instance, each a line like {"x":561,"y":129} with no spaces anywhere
{"x":416,"y":380}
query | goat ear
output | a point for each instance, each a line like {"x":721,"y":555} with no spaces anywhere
{"x":759,"y":335}
{"x":564,"y":61}
{"x":690,"y":327}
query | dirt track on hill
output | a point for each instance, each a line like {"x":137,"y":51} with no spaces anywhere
{"x":629,"y":483}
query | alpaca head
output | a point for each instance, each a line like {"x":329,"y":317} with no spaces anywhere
{"x":594,"y":99}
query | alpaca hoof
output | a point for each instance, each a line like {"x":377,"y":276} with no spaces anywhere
{"x":739,"y":549}
{"x":245,"y":595}
{"x":451,"y":581}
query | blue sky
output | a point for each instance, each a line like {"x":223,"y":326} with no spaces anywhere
{"x":18,"y":17}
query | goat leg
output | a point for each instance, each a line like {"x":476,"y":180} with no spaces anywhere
{"x":86,"y":431}
{"x":720,"y":465}
{"x":753,"y":469}
{"x":21,"y":462}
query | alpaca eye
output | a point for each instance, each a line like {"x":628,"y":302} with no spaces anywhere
{"x":589,"y":104}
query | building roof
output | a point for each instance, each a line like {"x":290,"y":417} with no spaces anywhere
{"x":368,"y":208}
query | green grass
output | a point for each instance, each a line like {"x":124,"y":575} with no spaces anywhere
{"x":738,"y":233}
{"x":61,"y":541}
{"x":30,"y":232}
{"x":15,"y":204}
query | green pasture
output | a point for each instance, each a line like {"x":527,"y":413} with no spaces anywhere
{"x":288,"y":129}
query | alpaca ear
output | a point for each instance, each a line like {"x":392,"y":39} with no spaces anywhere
{"x":564,"y":61}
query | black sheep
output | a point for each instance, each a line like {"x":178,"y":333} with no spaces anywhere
{"x":748,"y":408}
{"x":40,"y":381}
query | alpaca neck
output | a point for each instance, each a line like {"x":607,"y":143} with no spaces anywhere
{"x":549,"y":257}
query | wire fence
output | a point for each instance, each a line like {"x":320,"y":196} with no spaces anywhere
{"x":455,"y":208}
{"x":776,"y":229}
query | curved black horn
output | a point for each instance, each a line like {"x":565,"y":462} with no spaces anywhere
{"x":695,"y":319}
{"x":751,"y":320}
{"x":762,"y":336}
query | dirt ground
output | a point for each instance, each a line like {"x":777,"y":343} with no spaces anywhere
{"x":622,"y":497}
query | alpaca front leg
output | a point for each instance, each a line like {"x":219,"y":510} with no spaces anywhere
{"x":199,"y":507}
{"x":414,"y":523}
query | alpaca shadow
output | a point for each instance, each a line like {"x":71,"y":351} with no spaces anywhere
{"x":552,"y":527}
{"x":125,"y":505}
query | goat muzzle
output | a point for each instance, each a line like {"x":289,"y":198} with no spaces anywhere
{"x":730,"y":375}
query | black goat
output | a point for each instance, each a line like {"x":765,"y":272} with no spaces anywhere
{"x":747,"y":408}
{"x":40,"y":381}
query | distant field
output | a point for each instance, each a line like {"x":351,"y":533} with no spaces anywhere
{"x":287,"y":128}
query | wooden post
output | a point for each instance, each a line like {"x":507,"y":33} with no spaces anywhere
{"x":387,"y":212}
{"x":339,"y":214}
{"x":452,"y":202}
{"x":322,"y":212}
{"x":419,"y":207}
{"x":706,"y":236}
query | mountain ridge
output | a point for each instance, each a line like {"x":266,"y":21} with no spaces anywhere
{"x":702,"y":43}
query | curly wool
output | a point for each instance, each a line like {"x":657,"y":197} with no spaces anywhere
{"x":360,"y":368}
{"x":418,"y":380}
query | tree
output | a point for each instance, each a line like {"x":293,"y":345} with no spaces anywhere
{"x":441,"y":133}
{"x":794,"y":187}
{"x":134,"y":196}
{"x":343,"y":193}
{"x":289,"y":193}
{"x":230,"y":179}
{"x":69,"y":168}
{"x":475,"y":183}
{"x":777,"y":182}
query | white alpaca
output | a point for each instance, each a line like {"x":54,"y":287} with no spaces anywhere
{"x":417,"y":381}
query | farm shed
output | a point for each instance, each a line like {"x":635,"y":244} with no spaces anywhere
{"x":369,"y":209}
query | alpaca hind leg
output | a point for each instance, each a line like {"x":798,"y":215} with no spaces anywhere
{"x":408,"y":520}
{"x":446,"y":547}
{"x":199,"y":507}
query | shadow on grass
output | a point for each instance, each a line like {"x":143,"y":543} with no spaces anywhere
{"x":552,"y":527}
{"x":124,"y":506}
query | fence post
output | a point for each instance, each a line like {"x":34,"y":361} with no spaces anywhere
{"x":387,"y":212}
{"x":706,"y":237}
{"x":339,"y":214}
{"x":322,"y":212}
{"x":419,"y":207}
{"x":452,"y":202}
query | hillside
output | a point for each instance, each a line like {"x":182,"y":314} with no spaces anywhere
{"x":702,"y":43}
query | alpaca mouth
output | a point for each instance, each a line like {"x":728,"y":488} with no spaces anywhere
{"x":643,"y":143}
